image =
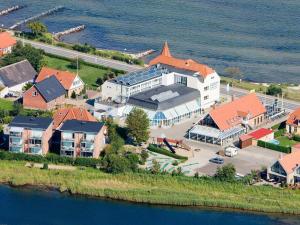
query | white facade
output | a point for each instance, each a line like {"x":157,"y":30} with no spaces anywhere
{"x":17,"y":89}
{"x":209,"y":87}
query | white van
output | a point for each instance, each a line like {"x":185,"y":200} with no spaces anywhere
{"x":230,"y":151}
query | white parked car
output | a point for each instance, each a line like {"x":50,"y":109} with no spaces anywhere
{"x":230,"y":151}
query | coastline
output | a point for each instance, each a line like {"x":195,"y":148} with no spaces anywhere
{"x":153,"y":189}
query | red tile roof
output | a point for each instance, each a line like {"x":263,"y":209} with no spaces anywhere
{"x":229,"y":115}
{"x":166,"y":58}
{"x":260,"y":133}
{"x":62,"y":115}
{"x":6,"y":40}
{"x":66,"y":78}
{"x":293,"y":117}
{"x":289,"y":162}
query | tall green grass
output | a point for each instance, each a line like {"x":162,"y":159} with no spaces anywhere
{"x":156,"y":189}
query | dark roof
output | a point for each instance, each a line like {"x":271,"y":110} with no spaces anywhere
{"x":17,"y":73}
{"x":81,"y":126}
{"x":31,"y":122}
{"x":164,"y":97}
{"x":50,"y":88}
{"x":140,"y":76}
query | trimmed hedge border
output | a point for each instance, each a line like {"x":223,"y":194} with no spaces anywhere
{"x":274,"y":147}
{"x":50,"y":158}
{"x":279,"y":133}
{"x":154,"y":148}
{"x":296,"y":138}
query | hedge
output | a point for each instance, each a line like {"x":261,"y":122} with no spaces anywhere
{"x":296,"y":138}
{"x":154,"y":148}
{"x":275,"y":147}
{"x":50,"y":158}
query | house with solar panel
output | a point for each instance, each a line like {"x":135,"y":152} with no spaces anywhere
{"x":169,"y":90}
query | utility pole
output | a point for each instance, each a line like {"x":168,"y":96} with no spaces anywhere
{"x":77,"y":65}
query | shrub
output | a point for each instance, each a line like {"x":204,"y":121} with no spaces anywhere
{"x":296,"y":138}
{"x":45,"y":166}
{"x":73,"y":95}
{"x":226,"y":173}
{"x":275,"y":147}
{"x":155,"y":169}
{"x":163,"y":151}
{"x":279,"y":133}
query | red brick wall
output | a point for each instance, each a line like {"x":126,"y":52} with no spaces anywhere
{"x":34,"y":102}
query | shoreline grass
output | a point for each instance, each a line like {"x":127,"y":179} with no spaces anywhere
{"x":155,"y":189}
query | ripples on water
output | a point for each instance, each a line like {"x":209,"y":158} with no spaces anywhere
{"x":261,"y":37}
{"x":29,"y":207}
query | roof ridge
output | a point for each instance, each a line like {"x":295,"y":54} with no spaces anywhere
{"x":14,"y":64}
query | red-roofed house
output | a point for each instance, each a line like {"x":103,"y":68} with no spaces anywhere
{"x":7,"y":42}
{"x":228,"y":121}
{"x":64,"y":114}
{"x":293,"y":122}
{"x":261,"y":134}
{"x":70,"y":81}
{"x":286,"y":169}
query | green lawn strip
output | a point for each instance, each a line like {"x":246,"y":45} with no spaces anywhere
{"x":148,"y":188}
{"x":285,"y":141}
{"x":88,"y":74}
{"x":6,"y":104}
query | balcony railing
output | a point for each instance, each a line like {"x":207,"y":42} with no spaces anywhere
{"x":15,"y":134}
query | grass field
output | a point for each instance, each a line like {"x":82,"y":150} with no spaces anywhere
{"x":88,"y":74}
{"x":156,"y":189}
{"x":6,"y":104}
{"x":285,"y":141}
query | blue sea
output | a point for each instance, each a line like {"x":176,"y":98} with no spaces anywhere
{"x":34,"y":207}
{"x":261,"y":37}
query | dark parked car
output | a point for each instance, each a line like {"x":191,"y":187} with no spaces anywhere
{"x":217,"y":160}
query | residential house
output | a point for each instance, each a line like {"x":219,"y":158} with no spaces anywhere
{"x":45,"y":95}
{"x":252,"y":138}
{"x":82,"y":138}
{"x":14,"y":77}
{"x":228,"y":121}
{"x":30,"y":135}
{"x":70,"y":81}
{"x":293,"y":122}
{"x":286,"y":169}
{"x":7,"y":42}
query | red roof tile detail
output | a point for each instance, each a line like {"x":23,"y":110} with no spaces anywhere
{"x":293,"y":117}
{"x":258,"y":134}
{"x":289,"y":162}
{"x":166,"y":58}
{"x":62,"y":115}
{"x":66,"y":78}
{"x":6,"y":40}
{"x":229,"y":115}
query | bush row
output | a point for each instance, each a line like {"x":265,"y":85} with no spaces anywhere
{"x":275,"y":147}
{"x":50,"y":158}
{"x":296,"y":138}
{"x":279,"y":133}
{"x":154,"y":148}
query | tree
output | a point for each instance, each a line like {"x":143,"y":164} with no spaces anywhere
{"x":73,"y":95}
{"x":27,"y":86}
{"x":155,"y":167}
{"x":233,"y":72}
{"x":20,"y":52}
{"x":115,"y":163}
{"x":274,"y":89}
{"x":37,"y":28}
{"x":138,"y":125}
{"x":226,"y":173}
{"x":99,"y":81}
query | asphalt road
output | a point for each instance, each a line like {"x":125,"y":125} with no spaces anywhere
{"x":86,"y":57}
{"x":237,"y":92}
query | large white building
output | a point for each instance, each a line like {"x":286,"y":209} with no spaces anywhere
{"x":166,"y":71}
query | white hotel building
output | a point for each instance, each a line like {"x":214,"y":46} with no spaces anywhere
{"x":178,"y":77}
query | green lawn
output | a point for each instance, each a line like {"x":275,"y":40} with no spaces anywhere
{"x":285,"y":141}
{"x":6,"y":104}
{"x":155,"y":189}
{"x":88,"y":74}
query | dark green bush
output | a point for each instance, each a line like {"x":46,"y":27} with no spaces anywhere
{"x":279,"y":133}
{"x":272,"y":146}
{"x":296,"y":138}
{"x":154,"y":148}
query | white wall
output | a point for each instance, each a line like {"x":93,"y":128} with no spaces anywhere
{"x":77,"y":82}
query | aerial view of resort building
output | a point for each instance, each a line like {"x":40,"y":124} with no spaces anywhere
{"x":183,"y":108}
